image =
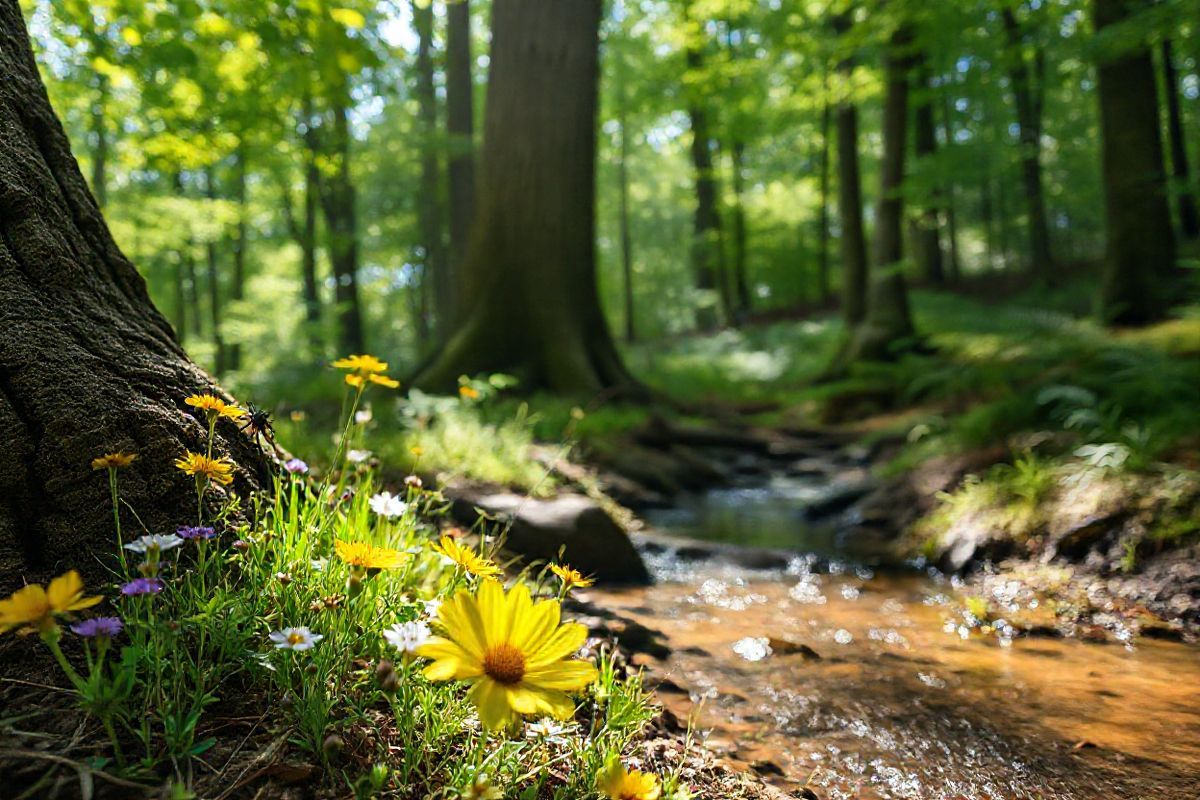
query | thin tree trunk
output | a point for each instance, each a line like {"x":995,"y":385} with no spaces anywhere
{"x":338,"y":201}
{"x":188,"y":257}
{"x":706,"y":227}
{"x":823,"y":283}
{"x":238,"y":289}
{"x":100,"y":141}
{"x":181,"y":299}
{"x":87,"y":364}
{"x":1140,"y":254}
{"x":850,"y":203}
{"x":429,"y":206}
{"x":1029,"y":121}
{"x":623,"y":211}
{"x":889,"y":321}
{"x":741,"y":282}
{"x":955,"y":265}
{"x":214,"y":285}
{"x":1189,"y":220}
{"x":926,"y":236}
{"x":529,"y":277}
{"x":459,"y":123}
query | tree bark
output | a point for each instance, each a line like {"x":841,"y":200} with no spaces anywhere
{"x":623,"y":204}
{"x":1028,"y":100}
{"x":850,"y":204}
{"x":529,"y":275}
{"x":429,"y":205}
{"x":100,"y":143}
{"x":460,"y":93}
{"x":706,"y":225}
{"x":823,"y":283}
{"x":1139,"y":256}
{"x":1189,"y":220}
{"x":926,"y":238}
{"x":888,"y":321}
{"x":87,"y":364}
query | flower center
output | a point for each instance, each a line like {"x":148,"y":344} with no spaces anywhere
{"x":295,"y":638}
{"x":504,"y":663}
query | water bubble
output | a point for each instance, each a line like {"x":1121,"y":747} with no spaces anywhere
{"x":843,"y":636}
{"x":752,"y":648}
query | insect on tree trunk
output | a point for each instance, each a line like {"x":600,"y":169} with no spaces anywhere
{"x":531,"y":307}
{"x":87,"y":364}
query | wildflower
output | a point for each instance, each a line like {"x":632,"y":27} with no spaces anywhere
{"x":33,"y":608}
{"x":295,"y":466}
{"x":466,"y":558}
{"x":98,"y":628}
{"x":617,"y":783}
{"x":214,"y":406}
{"x":547,"y":730}
{"x":413,"y":482}
{"x":284,"y":578}
{"x":369,"y":556}
{"x":468,"y":392}
{"x":157,"y":542}
{"x":386,"y":504}
{"x":365,"y":368}
{"x":432,"y":607}
{"x":408,"y":636}
{"x":362,"y":416}
{"x":141,"y":586}
{"x":571,"y":577}
{"x":481,"y":789}
{"x":217,"y":470}
{"x":195,"y":532}
{"x":417,"y":450}
{"x":116,"y":460}
{"x":358,"y":456}
{"x":327,"y":602}
{"x":513,"y":651}
{"x":241,"y":545}
{"x":297,"y":415}
{"x":295,"y":639}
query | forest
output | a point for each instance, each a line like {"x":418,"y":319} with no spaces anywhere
{"x":600,"y":399}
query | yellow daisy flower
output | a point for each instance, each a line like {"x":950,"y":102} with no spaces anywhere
{"x":384,"y":381}
{"x":571,"y":577}
{"x":362,"y":365}
{"x":214,"y":406}
{"x":512,"y":650}
{"x":369,"y":556}
{"x":217,"y":470}
{"x":466,"y":558}
{"x":34,"y":608}
{"x":114,"y":460}
{"x":617,"y":783}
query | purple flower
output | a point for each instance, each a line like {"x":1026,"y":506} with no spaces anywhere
{"x":295,"y":466}
{"x":98,"y":627}
{"x":195,"y":532}
{"x":139,"y":586}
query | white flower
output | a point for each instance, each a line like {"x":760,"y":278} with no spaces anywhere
{"x":386,"y":504}
{"x":295,"y":639}
{"x":408,"y":636}
{"x":358,"y":456}
{"x":155,"y":541}
{"x":319,"y":564}
{"x":547,"y":729}
{"x":431,"y":608}
{"x":363,"y":416}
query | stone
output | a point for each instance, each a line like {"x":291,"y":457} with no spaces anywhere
{"x":569,"y":527}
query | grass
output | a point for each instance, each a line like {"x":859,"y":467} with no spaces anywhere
{"x":266,"y":605}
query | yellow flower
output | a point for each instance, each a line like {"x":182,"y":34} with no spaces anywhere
{"x":35,"y":608}
{"x":369,"y":556}
{"x":513,"y":651}
{"x":384,"y":381}
{"x":114,"y":460}
{"x":571,"y":577}
{"x":466,"y":558}
{"x":363,"y":365}
{"x":214,"y":406}
{"x":217,"y":470}
{"x":468,"y":392}
{"x":617,"y":783}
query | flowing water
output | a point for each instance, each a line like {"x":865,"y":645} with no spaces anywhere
{"x":895,"y":696}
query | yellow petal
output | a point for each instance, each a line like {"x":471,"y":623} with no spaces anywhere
{"x":449,"y":661}
{"x":534,"y":700}
{"x":531,"y":632}
{"x":64,"y":590}
{"x":460,"y":617}
{"x":567,"y":676}
{"x":493,"y":612}
{"x":564,"y":642}
{"x":491,"y":701}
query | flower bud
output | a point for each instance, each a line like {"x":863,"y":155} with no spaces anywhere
{"x":332,"y":745}
{"x":384,"y":668}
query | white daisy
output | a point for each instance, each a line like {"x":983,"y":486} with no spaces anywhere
{"x":295,"y":639}
{"x":155,"y":541}
{"x":386,"y":504}
{"x":362,"y":416}
{"x":408,"y":636}
{"x":547,"y":729}
{"x":358,"y":456}
{"x":431,"y":608}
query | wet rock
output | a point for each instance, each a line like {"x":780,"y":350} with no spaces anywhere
{"x":837,"y":499}
{"x":1077,"y":540}
{"x":765,"y":767}
{"x":785,"y":647}
{"x":570,"y":526}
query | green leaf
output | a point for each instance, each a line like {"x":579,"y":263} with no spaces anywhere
{"x":348,"y":18}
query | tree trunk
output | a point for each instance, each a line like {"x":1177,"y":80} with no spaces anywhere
{"x":87,"y":364}
{"x":889,"y":321}
{"x":460,"y":125}
{"x":1029,"y":121}
{"x":429,"y":205}
{"x":100,"y":143}
{"x":741,"y":283}
{"x":850,"y":203}
{"x":214,"y":286}
{"x":623,"y":210}
{"x":338,"y":201}
{"x":823,"y":285}
{"x":1189,"y":220}
{"x":954,"y":265}
{"x":1140,"y":252}
{"x":706,"y":227}
{"x":238,"y":290}
{"x":529,"y":275}
{"x":926,"y":238}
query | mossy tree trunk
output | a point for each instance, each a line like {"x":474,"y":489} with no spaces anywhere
{"x":528,"y":280}
{"x":87,"y":364}
{"x":1139,"y":255}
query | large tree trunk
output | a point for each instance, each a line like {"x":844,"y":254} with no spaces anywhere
{"x":1029,"y":121}
{"x":623,"y":204}
{"x":850,"y":205}
{"x":926,"y":236}
{"x":1189,"y":220}
{"x":1140,"y":252}
{"x":706,"y":251}
{"x":460,"y":95}
{"x":87,"y":364}
{"x":429,"y":205}
{"x":529,"y":276}
{"x":341,"y":221}
{"x":889,"y":321}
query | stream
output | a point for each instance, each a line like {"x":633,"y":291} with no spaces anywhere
{"x":864,"y":681}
